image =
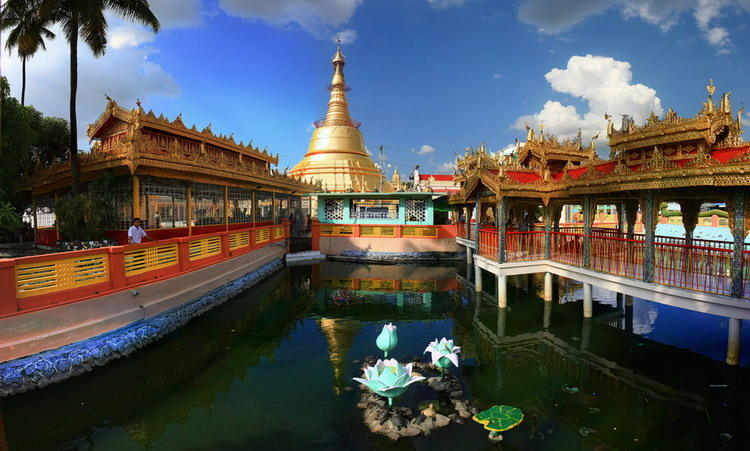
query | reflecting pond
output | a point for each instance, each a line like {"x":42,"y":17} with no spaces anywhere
{"x":272,"y":370}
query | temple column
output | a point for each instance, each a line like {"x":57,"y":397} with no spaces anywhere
{"x":588,"y":302}
{"x":631,"y":213}
{"x":648,"y":213}
{"x":548,"y":213}
{"x":501,"y":219}
{"x":35,"y":218}
{"x":736,"y":210}
{"x":587,"y":222}
{"x":137,"y":197}
{"x":478,"y":279}
{"x":690,"y":209}
{"x":548,"y":287}
{"x":733,"y":341}
{"x":502,"y":291}
{"x":467,"y":222}
{"x":189,"y":208}
{"x":226,"y":207}
{"x":620,"y":216}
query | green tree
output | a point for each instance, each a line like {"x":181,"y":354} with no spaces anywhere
{"x":86,"y":18}
{"x":29,"y":140}
{"x":28,"y":29}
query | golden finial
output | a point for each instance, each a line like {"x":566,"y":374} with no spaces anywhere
{"x":711,"y":88}
{"x":338,"y":57}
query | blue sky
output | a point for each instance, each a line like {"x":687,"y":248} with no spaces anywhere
{"x":428,"y":77}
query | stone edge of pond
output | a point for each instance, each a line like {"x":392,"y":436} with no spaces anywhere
{"x":55,"y":365}
{"x":399,"y":257}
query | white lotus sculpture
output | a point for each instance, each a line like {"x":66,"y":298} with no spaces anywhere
{"x":443,"y":353}
{"x":388,"y":378}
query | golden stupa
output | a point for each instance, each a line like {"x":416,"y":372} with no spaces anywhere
{"x":336,"y":156}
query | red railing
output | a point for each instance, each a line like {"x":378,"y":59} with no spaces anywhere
{"x":42,"y":281}
{"x":617,"y":256}
{"x":524,"y":246}
{"x":488,"y":242}
{"x":461,"y":229}
{"x":699,"y":268}
{"x":567,"y":248}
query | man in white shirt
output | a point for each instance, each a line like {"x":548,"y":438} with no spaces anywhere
{"x":136,"y":233}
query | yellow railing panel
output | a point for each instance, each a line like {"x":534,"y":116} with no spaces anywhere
{"x":204,"y":247}
{"x":377,"y":284}
{"x":419,"y":232}
{"x":418,"y":285}
{"x":262,"y":235}
{"x":336,"y":230}
{"x":386,"y":231}
{"x":150,"y":258}
{"x":239,"y":240}
{"x":50,"y":276}
{"x":337,"y":284}
{"x":278,"y":231}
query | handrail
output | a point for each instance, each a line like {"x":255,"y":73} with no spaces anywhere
{"x":42,"y":281}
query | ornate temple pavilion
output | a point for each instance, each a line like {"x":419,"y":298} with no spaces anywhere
{"x":178,"y":179}
{"x":337,"y":156}
{"x":688,"y":161}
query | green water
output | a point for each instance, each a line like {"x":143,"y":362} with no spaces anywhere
{"x":272,"y":370}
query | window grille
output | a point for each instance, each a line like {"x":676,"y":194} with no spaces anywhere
{"x":163,"y":203}
{"x":240,"y":205}
{"x":333,"y":209}
{"x":281,"y":207}
{"x":45,"y":211}
{"x":208,"y":204}
{"x":263,"y":207}
{"x":416,"y":210}
{"x":374,"y":209}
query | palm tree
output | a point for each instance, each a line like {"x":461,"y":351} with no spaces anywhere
{"x":85,"y":18}
{"x":27,"y":33}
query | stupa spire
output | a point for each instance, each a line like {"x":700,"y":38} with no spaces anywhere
{"x":338,"y":107}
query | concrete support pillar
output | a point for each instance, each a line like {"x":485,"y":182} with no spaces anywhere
{"x":478,"y":279}
{"x":469,"y":256}
{"x":588,"y":219}
{"x":502,"y":315}
{"x":588,"y":302}
{"x":548,"y":287}
{"x":648,"y":213}
{"x":501,"y":219}
{"x":547,"y":320}
{"x":502,"y":291}
{"x":586,"y":333}
{"x":733,"y":341}
{"x":736,"y":207}
{"x":629,"y":313}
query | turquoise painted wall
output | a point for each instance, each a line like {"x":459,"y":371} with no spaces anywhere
{"x":429,"y":213}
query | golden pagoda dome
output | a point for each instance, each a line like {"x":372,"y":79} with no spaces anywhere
{"x":337,"y":156}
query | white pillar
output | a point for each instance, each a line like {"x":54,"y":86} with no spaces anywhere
{"x":502,"y":291}
{"x":502,"y":314}
{"x":469,"y":259}
{"x":585,"y":333}
{"x":733,"y":342}
{"x":548,"y":286}
{"x":588,"y":307}
{"x":547,"y":314}
{"x":478,"y":279}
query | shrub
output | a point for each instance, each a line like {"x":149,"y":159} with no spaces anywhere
{"x":84,"y":217}
{"x":10,"y":220}
{"x":719,"y":213}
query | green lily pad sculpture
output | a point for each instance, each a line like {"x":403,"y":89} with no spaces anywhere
{"x":499,"y":418}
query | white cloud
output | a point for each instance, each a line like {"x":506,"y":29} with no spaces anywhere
{"x":605,"y":84}
{"x":123,"y":73}
{"x":507,"y":150}
{"x":123,"y":36}
{"x":425,"y":149}
{"x":557,"y":16}
{"x":448,"y":166}
{"x":176,"y":14}
{"x":347,"y":36}
{"x":315,"y":16}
